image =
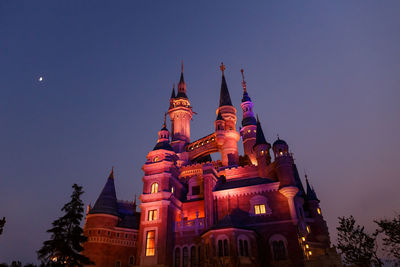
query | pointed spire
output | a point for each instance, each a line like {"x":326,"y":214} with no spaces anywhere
{"x":224,"y":98}
{"x":245,"y":94}
{"x":311,"y":195}
{"x":181,"y":86}
{"x":173,"y":92}
{"x":260,"y":138}
{"x":164,"y":128}
{"x":106,"y":203}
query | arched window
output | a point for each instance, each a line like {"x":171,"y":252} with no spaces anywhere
{"x":241,"y":248}
{"x":154,"y":188}
{"x":131,"y":260}
{"x":226,"y":248}
{"x":246,"y":248}
{"x":118,"y":264}
{"x":185,"y":260}
{"x":278,"y":246}
{"x":193,"y":260}
{"x":150,"y":243}
{"x":220,"y":249}
{"x":177,"y":257}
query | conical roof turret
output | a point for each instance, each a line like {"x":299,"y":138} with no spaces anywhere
{"x":311,"y":195}
{"x":181,"y":86}
{"x":173,"y":92}
{"x":224,"y":98}
{"x":260,"y":138}
{"x":106,"y":203}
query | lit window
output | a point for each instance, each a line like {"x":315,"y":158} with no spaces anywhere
{"x":303,"y":238}
{"x":259,"y":209}
{"x":154,"y":188}
{"x":152,"y":215}
{"x":150,"y":243}
{"x":172,"y":189}
{"x":156,"y":159}
{"x":248,"y":131}
{"x":262,"y":152}
{"x":310,"y":253}
{"x":319,"y":210}
{"x":280,"y":153}
{"x":307,"y":246}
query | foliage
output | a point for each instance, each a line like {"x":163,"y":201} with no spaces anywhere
{"x":357,"y":246}
{"x":2,"y":223}
{"x":391,"y":236}
{"x":16,"y":264}
{"x":65,"y":244}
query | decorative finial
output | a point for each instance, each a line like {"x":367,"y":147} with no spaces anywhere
{"x":173,"y":86}
{"x":165,"y":120}
{"x":112,"y":173}
{"x":277,"y":135}
{"x":243,"y":81}
{"x":222,"y":67}
{"x":305,"y":175}
{"x":182,"y":67}
{"x":257,"y":118}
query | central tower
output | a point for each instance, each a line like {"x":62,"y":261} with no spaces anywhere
{"x":180,"y":113}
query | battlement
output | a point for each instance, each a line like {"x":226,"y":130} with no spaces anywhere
{"x":247,"y":171}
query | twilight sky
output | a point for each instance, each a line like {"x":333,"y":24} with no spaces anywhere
{"x":325,"y":75}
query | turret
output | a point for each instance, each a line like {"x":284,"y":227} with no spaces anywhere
{"x":249,"y":124}
{"x":228,"y":138}
{"x":180,"y":113}
{"x":261,"y":150}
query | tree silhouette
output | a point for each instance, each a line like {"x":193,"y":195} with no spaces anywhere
{"x":357,"y":246}
{"x":64,"y":247}
{"x":391,"y":239}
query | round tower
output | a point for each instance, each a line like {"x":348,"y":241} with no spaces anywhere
{"x":181,"y":114}
{"x":228,"y":138}
{"x":249,"y":124}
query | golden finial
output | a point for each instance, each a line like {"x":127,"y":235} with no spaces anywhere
{"x":243,"y":81}
{"x":222,"y":67}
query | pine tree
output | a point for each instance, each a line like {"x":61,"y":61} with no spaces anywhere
{"x":65,"y":246}
{"x":357,"y":247}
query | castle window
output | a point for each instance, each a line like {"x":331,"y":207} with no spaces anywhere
{"x":131,"y":260}
{"x":155,"y":159}
{"x":152,"y":215}
{"x":246,"y":248}
{"x":150,"y":243}
{"x":220,"y":248}
{"x":278,"y":246}
{"x":196,"y":190}
{"x":172,"y":189}
{"x":108,"y":233}
{"x":279,"y":250}
{"x":226,"y":248}
{"x":126,"y":235}
{"x":259,"y":209}
{"x":154,"y":188}
{"x":177,"y":257}
{"x":193,"y":256}
{"x":117,"y":234}
{"x":185,"y":257}
{"x":319,"y":210}
{"x":241,"y":248}
{"x":118,"y":264}
{"x":98,"y":232}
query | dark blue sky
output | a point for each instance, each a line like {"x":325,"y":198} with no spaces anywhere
{"x":325,"y":75}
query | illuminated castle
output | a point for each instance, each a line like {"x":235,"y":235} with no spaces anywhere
{"x":242,"y":210}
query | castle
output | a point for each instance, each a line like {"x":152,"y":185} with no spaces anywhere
{"x":249,"y":210}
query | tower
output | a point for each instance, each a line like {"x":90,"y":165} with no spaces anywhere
{"x":157,"y":206}
{"x":228,"y":137}
{"x":180,"y":113}
{"x":248,"y":130}
{"x":261,"y":150}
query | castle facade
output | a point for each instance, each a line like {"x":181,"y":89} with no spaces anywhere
{"x":242,"y":210}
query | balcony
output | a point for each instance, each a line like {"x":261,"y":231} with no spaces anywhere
{"x":190,"y":225}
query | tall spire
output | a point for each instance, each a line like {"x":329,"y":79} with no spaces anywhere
{"x":224,"y":98}
{"x":181,"y":85}
{"x":260,"y":138}
{"x":311,"y":195}
{"x":106,"y":203}
{"x":245,"y":94}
